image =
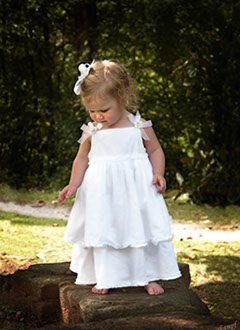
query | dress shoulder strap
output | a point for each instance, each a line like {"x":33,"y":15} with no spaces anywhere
{"x":138,"y":123}
{"x":89,"y":130}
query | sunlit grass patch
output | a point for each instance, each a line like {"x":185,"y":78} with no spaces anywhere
{"x":24,"y":238}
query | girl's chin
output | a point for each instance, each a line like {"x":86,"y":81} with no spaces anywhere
{"x":104,"y":123}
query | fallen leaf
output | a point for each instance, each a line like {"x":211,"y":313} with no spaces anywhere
{"x":189,"y":256}
{"x":233,"y":250}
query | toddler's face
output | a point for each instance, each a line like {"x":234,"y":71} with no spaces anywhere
{"x":106,"y":112}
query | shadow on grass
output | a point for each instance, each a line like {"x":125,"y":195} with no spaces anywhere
{"x":222,"y":298}
{"x":222,"y":291}
{"x":227,"y":267}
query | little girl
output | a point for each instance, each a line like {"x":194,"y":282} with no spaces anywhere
{"x":119,"y":224}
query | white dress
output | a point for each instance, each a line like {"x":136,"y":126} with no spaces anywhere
{"x":119,"y":224}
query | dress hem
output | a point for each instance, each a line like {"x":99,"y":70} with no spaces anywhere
{"x":129,"y":284}
{"x":118,"y":246}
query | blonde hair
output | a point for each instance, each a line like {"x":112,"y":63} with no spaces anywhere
{"x":109,"y":78}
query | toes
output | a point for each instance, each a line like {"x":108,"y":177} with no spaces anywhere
{"x":150,"y":290}
{"x":153,"y":289}
{"x":156,"y":291}
{"x":94,"y":290}
{"x":104,"y":291}
{"x":99,"y":291}
{"x":160,"y":290}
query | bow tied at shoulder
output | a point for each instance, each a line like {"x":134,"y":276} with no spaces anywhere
{"x":89,"y":130}
{"x":138,"y":123}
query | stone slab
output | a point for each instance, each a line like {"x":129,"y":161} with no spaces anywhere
{"x":36,"y":290}
{"x":79,"y":304}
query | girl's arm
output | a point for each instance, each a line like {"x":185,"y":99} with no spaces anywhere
{"x":80,"y":165}
{"x":157,"y":159}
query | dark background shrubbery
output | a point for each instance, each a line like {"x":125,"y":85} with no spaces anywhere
{"x":184,"y":56}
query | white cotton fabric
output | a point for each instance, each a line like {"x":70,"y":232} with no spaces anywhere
{"x":119,"y":224}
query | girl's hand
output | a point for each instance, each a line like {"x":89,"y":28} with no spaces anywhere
{"x":160,"y":183}
{"x":67,"y":192}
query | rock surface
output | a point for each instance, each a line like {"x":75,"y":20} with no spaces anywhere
{"x":49,"y":292}
{"x":80,"y":305}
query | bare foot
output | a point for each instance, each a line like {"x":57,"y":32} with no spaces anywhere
{"x":153,"y":288}
{"x":99,"y":291}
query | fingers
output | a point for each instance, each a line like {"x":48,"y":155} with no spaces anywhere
{"x":71,"y":191}
{"x":160,"y":183}
{"x":67,"y":192}
{"x":161,"y":190}
{"x":62,"y":195}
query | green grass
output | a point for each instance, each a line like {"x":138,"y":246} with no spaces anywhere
{"x":215,"y":217}
{"x":214,"y":267}
{"x":30,"y":196}
{"x":24,"y":239}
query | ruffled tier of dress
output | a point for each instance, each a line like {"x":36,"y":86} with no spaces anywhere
{"x":123,"y":211}
{"x":114,"y":268}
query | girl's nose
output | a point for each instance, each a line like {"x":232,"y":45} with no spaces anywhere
{"x":100,"y":116}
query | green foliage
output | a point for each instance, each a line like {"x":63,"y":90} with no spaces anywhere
{"x":40,"y":44}
{"x":184,"y":56}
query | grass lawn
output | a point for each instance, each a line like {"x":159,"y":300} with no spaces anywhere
{"x":215,"y":268}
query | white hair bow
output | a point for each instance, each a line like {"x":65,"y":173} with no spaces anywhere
{"x":89,"y":130}
{"x":84,"y":69}
{"x":138,"y":123}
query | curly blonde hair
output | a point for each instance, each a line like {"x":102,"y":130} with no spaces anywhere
{"x":109,"y":78}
